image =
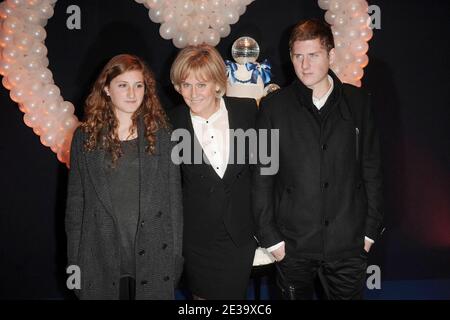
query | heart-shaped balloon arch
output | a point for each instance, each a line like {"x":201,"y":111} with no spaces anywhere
{"x":24,"y":63}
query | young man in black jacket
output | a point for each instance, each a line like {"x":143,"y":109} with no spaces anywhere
{"x":321,"y":212}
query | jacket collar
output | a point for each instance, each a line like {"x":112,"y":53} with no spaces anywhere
{"x":304,"y":95}
{"x":148,"y":166}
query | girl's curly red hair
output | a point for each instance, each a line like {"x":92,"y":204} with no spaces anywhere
{"x":100,"y":123}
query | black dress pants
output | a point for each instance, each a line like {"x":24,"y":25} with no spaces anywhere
{"x":127,"y":290}
{"x":342,"y":279}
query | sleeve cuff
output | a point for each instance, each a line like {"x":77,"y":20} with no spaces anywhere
{"x":275,"y":247}
{"x":368,"y":239}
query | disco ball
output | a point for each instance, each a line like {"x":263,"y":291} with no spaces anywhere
{"x":245,"y":49}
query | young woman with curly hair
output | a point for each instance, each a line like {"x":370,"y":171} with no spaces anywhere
{"x":124,"y":214}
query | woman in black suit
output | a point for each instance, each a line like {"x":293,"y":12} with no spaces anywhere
{"x":218,"y":244}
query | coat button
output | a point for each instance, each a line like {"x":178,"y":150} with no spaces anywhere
{"x":142,"y":223}
{"x":159,"y":214}
{"x":143,"y":282}
{"x":326,"y":223}
{"x":166,"y":278}
{"x":164,"y":246}
{"x":325,"y":185}
{"x":142,"y":252}
{"x":324,"y":146}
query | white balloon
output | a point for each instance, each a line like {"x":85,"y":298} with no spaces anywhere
{"x":32,"y":105}
{"x":324,"y":4}
{"x":335,"y":5}
{"x":46,"y":11}
{"x":51,"y":91}
{"x":43,"y":75}
{"x":216,"y":21}
{"x":66,"y":108}
{"x":330,"y":17}
{"x":180,"y":40}
{"x":356,"y":7}
{"x":200,"y":22}
{"x":203,"y":7}
{"x":212,"y":37}
{"x":156,"y":15}
{"x":185,"y":24}
{"x":230,"y":15}
{"x":154,"y":4}
{"x":224,"y":31}
{"x":167,"y":30}
{"x":186,"y":6}
{"x":37,"y":32}
{"x":241,"y":9}
{"x":39,"y":50}
{"x":169,"y":14}
{"x":195,"y":38}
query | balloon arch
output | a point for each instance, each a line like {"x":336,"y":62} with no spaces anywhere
{"x":24,"y":62}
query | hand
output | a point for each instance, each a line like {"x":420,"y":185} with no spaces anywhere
{"x":367,"y":245}
{"x":279,"y":253}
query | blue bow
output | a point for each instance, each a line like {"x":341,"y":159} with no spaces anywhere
{"x":266,"y":73}
{"x":231,"y":69}
{"x":254,"y":68}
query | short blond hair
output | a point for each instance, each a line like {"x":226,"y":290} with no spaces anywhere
{"x":205,"y":61}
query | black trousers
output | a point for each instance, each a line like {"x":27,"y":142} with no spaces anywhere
{"x":127,"y":290}
{"x":340,"y":280}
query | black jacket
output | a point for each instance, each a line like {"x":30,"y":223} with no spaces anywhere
{"x":327,"y":194}
{"x":208,"y":199}
{"x":92,"y":236}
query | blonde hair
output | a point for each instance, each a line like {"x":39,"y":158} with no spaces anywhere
{"x":205,"y":61}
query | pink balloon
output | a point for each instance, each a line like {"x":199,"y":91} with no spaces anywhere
{"x":362,"y":61}
{"x":366,"y":34}
{"x":359,"y":47}
{"x":6,"y":83}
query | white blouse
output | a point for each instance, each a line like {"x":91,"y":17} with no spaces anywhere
{"x":214,"y":138}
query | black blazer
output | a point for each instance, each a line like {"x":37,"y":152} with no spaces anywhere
{"x":327,"y":193}
{"x":209,"y":200}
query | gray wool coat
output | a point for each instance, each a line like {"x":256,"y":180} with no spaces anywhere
{"x":92,"y":239}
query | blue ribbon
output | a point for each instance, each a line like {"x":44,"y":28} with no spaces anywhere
{"x":263,"y":70}
{"x":231,"y":69}
{"x":266,"y":73}
{"x":253,"y":67}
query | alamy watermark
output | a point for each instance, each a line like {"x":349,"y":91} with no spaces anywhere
{"x":245,"y":147}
